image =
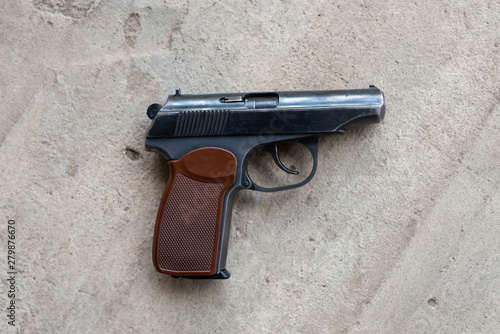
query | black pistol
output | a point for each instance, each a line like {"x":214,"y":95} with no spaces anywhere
{"x":207,"y":139}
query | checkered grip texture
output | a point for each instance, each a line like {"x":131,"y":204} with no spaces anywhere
{"x":187,"y":234}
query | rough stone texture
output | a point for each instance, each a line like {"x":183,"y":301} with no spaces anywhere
{"x":399,"y":232}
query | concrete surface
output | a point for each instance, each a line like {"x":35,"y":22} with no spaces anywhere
{"x":399,"y":232}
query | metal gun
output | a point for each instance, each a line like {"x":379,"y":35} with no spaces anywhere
{"x":207,"y":140}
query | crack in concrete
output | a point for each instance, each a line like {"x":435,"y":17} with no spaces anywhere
{"x":75,"y":9}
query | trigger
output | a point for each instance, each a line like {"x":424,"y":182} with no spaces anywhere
{"x":274,"y":152}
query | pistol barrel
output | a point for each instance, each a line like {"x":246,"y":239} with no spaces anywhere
{"x":267,"y":113}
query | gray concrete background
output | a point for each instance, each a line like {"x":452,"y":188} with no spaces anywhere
{"x":397,"y":233}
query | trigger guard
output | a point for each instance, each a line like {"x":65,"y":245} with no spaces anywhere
{"x":312,"y":146}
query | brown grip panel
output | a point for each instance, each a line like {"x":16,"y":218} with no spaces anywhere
{"x":189,"y":221}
